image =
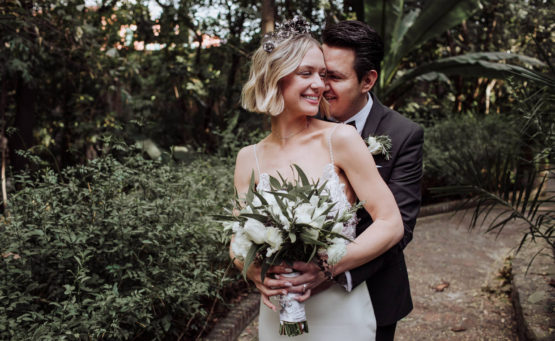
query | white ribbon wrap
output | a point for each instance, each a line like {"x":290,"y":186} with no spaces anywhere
{"x":291,"y":309}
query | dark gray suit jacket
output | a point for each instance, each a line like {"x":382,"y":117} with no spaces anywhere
{"x":386,"y":276}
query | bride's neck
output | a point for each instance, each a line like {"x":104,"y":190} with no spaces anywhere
{"x":285,"y":129}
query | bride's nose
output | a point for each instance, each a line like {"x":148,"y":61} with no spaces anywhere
{"x":318,"y":83}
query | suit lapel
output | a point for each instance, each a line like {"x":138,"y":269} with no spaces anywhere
{"x":376,"y":115}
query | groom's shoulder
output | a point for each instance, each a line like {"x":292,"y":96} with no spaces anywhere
{"x":398,"y":120}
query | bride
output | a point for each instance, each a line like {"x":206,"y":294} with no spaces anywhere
{"x":287,"y":80}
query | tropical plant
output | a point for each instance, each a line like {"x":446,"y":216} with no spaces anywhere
{"x":406,"y":29}
{"x":517,"y":183}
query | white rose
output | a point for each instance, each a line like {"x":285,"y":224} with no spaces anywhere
{"x":314,"y":200}
{"x":313,"y":233}
{"x":318,"y":211}
{"x":256,"y":202}
{"x":303,"y":213}
{"x":233,"y":226}
{"x":240,"y":245}
{"x":273,"y":238}
{"x":336,"y":251}
{"x":284,"y":221}
{"x":337,"y":228}
{"x":318,"y":221}
{"x":255,"y":230}
{"x":374,"y":146}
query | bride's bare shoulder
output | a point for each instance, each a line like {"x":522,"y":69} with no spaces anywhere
{"x":325,"y":127}
{"x":245,"y":155}
{"x":339,"y":130}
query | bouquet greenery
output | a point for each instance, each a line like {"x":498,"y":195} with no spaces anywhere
{"x":293,"y":221}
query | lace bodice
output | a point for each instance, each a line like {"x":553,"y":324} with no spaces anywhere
{"x":336,"y":191}
{"x":334,"y":186}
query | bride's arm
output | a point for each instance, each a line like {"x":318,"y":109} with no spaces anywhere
{"x":243,"y":170}
{"x":354,"y":158}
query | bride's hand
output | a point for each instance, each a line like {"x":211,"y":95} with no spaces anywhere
{"x":271,"y":286}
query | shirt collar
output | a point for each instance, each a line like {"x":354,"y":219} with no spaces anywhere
{"x":362,"y":115}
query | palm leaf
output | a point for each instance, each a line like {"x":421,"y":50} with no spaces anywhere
{"x":473,"y":65}
{"x":416,"y":28}
{"x":382,"y":15}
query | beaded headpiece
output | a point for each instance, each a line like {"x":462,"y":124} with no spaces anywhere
{"x":290,"y":28}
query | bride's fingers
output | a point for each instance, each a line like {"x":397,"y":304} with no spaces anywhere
{"x":268,"y":303}
{"x":269,"y":292}
{"x":302,"y":279}
{"x":304,"y":296}
{"x":277,"y":283}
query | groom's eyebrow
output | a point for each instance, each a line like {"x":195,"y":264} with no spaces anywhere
{"x":335,"y":73}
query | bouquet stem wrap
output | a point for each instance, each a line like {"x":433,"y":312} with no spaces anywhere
{"x":292,"y":316}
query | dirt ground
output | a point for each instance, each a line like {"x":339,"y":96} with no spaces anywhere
{"x":458,"y":282}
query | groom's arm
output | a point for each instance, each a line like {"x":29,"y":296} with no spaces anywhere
{"x":405,"y":184}
{"x":406,"y":179}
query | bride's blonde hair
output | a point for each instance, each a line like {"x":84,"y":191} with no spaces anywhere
{"x":262,"y":93}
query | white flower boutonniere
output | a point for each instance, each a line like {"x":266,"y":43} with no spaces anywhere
{"x":379,"y":145}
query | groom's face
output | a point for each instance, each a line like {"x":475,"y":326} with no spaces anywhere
{"x":346,"y":95}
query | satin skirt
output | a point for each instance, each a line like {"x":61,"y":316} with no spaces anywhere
{"x":333,"y":314}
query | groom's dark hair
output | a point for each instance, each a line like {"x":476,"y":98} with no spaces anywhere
{"x":363,"y":39}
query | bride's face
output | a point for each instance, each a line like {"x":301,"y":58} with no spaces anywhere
{"x":302,"y":89}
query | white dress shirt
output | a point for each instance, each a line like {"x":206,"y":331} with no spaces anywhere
{"x":360,"y":117}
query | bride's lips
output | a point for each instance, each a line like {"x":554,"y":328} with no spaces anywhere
{"x":314,"y":99}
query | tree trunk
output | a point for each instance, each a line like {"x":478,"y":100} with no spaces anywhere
{"x":268,"y":11}
{"x":24,"y":123}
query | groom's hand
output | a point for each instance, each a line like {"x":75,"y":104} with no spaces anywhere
{"x":272,"y":284}
{"x":311,"y":278}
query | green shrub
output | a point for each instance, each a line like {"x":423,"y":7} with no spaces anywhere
{"x":465,"y":149}
{"x":114,"y":250}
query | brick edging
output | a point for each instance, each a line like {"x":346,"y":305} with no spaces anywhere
{"x":230,"y":327}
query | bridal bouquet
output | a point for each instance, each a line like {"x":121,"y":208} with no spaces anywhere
{"x":290,"y":222}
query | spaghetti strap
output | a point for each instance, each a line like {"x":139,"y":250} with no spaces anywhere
{"x":329,"y":143}
{"x":256,"y":158}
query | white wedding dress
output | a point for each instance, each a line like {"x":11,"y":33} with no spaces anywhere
{"x":333,"y":314}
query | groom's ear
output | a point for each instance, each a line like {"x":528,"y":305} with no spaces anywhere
{"x":369,"y":80}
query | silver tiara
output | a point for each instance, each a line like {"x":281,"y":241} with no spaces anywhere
{"x":296,"y":26}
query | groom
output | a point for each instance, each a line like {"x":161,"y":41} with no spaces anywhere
{"x":353,"y":52}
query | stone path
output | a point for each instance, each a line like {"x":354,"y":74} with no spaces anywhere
{"x":458,"y":281}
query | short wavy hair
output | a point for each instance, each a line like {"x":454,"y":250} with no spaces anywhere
{"x":262,"y":93}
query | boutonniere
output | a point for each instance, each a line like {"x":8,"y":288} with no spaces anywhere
{"x":379,"y":145}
